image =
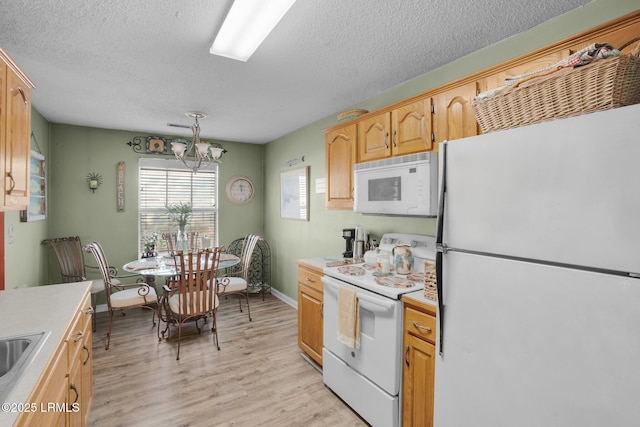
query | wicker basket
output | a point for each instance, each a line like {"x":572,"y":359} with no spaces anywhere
{"x":430,"y":289}
{"x":350,"y":114}
{"x":602,"y":85}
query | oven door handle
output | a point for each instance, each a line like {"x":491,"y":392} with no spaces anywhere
{"x":366,"y":301}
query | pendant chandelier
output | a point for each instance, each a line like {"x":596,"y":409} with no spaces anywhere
{"x":196,"y":154}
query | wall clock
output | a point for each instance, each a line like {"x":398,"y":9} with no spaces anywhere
{"x":239,"y":190}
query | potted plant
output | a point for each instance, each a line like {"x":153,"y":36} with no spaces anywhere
{"x":150,"y":243}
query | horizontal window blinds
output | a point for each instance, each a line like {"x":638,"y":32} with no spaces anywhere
{"x":163,"y":183}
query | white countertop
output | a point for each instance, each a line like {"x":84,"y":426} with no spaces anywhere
{"x":318,"y":263}
{"x":419,"y":297}
{"x":36,"y":309}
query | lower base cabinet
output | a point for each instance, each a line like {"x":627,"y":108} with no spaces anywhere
{"x":62,"y":397}
{"x":418,"y":374}
{"x":310,"y":306}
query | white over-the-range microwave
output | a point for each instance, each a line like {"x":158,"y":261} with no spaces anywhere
{"x":405,"y":185}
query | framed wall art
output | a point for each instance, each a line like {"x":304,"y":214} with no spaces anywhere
{"x":37,"y":209}
{"x":294,"y":194}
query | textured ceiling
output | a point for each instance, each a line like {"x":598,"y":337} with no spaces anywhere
{"x":137,"y":65}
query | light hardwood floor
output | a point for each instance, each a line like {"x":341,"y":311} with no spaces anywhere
{"x":258,"y":377}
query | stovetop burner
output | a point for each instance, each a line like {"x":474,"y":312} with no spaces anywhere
{"x":392,"y":285}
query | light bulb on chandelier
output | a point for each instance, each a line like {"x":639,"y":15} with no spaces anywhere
{"x":202,"y":152}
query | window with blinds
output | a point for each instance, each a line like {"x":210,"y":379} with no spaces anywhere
{"x":163,"y":182}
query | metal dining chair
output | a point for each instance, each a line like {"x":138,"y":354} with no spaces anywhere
{"x":70,"y":257}
{"x":122,"y":296}
{"x":238,"y":282}
{"x":195,"y":295}
{"x":172,"y":243}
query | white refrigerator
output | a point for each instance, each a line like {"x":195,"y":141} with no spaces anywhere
{"x":539,"y":275}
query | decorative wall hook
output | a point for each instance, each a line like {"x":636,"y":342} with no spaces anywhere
{"x":94,"y":180}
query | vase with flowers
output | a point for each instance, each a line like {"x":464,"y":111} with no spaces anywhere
{"x":180,"y":214}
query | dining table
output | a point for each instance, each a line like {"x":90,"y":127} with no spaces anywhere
{"x":164,"y":266}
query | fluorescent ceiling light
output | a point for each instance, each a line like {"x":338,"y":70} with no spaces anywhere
{"x":247,"y":24}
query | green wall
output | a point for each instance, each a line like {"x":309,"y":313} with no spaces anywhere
{"x":76,"y":210}
{"x":72,"y":152}
{"x":321,"y":236}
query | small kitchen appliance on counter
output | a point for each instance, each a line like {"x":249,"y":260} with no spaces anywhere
{"x":349,"y":235}
{"x":368,"y":378}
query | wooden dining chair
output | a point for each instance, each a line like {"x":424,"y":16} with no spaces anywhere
{"x":195,"y":296}
{"x":238,"y":282}
{"x":122,"y":297}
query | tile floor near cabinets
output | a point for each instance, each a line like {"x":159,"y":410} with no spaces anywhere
{"x":258,"y":377}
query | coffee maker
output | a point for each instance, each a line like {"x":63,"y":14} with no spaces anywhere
{"x":348,"y":234}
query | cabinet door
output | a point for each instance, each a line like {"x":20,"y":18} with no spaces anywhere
{"x":411,"y":128}
{"x":340,"y":158}
{"x":418,"y":382}
{"x":498,"y":79}
{"x":454,"y":116}
{"x":374,"y":138}
{"x":16,"y":153}
{"x":86,"y":369}
{"x":310,"y":322}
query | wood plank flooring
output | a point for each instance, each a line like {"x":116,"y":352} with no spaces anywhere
{"x":258,"y":377}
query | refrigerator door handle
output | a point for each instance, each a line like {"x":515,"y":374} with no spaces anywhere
{"x":440,"y":247}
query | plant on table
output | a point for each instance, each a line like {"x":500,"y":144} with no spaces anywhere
{"x":150,"y":243}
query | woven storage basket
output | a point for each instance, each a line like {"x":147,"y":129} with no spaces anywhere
{"x":350,"y":114}
{"x":602,"y":85}
{"x":430,"y":289}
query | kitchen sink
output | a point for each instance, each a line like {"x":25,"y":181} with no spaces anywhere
{"x":16,"y":353}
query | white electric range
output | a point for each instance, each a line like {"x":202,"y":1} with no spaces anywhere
{"x":369,"y":378}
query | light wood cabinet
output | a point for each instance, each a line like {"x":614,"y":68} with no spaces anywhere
{"x":419,"y":364}
{"x":411,"y":128}
{"x":454,"y":117}
{"x":310,"y":311}
{"x":443,"y":113}
{"x":405,"y":129}
{"x":64,"y":392}
{"x":15,"y":130}
{"x":79,"y":373}
{"x":340,"y":157}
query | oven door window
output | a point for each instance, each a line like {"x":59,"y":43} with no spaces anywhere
{"x":385,"y":189}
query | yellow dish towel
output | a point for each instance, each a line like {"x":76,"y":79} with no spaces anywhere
{"x":348,"y":317}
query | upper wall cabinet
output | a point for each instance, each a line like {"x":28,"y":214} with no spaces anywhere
{"x":15,"y":128}
{"x":340,"y":144}
{"x":454,"y":116}
{"x":404,"y":130}
{"x":411,"y":128}
{"x":444,"y":113}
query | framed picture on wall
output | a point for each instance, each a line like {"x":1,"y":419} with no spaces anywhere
{"x":294,"y":194}
{"x":37,"y":209}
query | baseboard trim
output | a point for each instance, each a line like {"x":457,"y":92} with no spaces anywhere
{"x":276,"y":293}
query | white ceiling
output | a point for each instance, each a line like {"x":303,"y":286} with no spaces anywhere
{"x":138,"y":64}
